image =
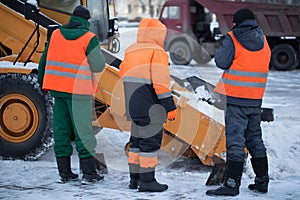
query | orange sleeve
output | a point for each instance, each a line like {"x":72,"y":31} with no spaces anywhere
{"x":160,"y":74}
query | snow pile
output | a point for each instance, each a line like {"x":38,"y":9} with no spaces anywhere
{"x":19,"y":65}
{"x":283,"y":148}
{"x":202,"y":95}
{"x":198,"y":100}
{"x":33,"y":2}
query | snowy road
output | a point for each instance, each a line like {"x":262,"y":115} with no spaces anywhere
{"x":37,"y":181}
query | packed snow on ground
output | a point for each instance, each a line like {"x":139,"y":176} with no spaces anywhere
{"x":186,"y":177}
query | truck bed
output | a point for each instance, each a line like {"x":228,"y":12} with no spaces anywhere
{"x":275,"y":19}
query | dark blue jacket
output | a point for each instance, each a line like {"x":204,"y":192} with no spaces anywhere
{"x":252,"y":38}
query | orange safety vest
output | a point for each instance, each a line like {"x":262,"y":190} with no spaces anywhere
{"x":149,"y":64}
{"x":67,"y":69}
{"x":247,"y":75}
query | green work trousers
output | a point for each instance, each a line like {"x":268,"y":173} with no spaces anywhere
{"x":73,"y":116}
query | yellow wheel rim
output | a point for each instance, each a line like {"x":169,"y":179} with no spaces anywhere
{"x":18,"y":118}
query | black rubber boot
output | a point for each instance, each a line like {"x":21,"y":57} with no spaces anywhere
{"x":90,"y":175}
{"x":232,"y":182}
{"x":64,"y":169}
{"x":134,"y":176}
{"x":260,"y":168}
{"x":148,"y":182}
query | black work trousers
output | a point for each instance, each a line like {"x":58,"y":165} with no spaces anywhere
{"x":146,"y":138}
{"x":243,"y":130}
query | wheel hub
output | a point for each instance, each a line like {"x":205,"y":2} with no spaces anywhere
{"x":180,"y":53}
{"x":283,"y":58}
{"x":18,"y":118}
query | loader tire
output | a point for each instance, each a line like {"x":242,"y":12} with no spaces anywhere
{"x":25,"y":117}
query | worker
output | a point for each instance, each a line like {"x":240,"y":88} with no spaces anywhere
{"x":67,"y":69}
{"x":245,"y":57}
{"x":149,"y":102}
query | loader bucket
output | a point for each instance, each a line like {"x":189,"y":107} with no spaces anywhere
{"x":217,"y":174}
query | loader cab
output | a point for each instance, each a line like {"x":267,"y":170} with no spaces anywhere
{"x":101,"y":23}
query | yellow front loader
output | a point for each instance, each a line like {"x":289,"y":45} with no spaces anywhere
{"x":26,"y":110}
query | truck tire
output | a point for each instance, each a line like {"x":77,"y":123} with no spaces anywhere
{"x":284,"y":57}
{"x":25,"y":117}
{"x":201,"y":56}
{"x":180,"y":53}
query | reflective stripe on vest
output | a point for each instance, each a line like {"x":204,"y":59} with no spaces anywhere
{"x":67,"y":69}
{"x":247,"y":76}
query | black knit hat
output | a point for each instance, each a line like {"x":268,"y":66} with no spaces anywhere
{"x":242,"y":15}
{"x":82,"y":11}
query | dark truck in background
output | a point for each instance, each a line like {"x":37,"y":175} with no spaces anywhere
{"x":192,"y":36}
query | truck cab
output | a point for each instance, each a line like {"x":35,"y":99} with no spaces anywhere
{"x":188,"y":24}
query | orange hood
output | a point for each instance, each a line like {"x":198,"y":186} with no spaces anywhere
{"x":151,"y":31}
